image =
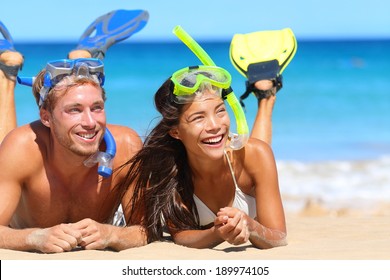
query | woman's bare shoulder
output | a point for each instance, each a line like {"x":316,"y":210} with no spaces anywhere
{"x":256,"y":153}
{"x":256,"y":147}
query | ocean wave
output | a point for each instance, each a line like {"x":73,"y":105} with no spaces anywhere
{"x":354,"y":185}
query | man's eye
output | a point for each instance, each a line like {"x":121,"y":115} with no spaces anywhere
{"x":74,"y":110}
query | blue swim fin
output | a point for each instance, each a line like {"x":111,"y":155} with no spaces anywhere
{"x":7,"y":44}
{"x":111,"y":28}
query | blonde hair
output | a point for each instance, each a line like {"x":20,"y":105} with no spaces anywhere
{"x":61,"y":88}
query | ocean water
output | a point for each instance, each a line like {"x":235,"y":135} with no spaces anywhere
{"x":331,"y":120}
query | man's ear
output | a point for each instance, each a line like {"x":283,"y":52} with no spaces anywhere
{"x":174,"y":132}
{"x":45,"y":117}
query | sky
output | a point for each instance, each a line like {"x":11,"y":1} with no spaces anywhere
{"x":208,"y":20}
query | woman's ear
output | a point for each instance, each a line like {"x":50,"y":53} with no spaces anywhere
{"x":45,"y":117}
{"x":174,"y":132}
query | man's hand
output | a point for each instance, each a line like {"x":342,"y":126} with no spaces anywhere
{"x":57,"y":239}
{"x":95,"y":236}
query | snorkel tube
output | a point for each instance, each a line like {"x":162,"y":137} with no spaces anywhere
{"x":239,"y":139}
{"x":103,"y":158}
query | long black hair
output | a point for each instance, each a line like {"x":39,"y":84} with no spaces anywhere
{"x":161,"y":176}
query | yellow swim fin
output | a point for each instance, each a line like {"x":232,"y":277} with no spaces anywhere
{"x":262,"y":55}
{"x":263,"y":46}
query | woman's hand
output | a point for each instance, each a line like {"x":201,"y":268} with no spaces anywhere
{"x":231,"y":225}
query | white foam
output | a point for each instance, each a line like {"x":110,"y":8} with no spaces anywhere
{"x":336,"y":184}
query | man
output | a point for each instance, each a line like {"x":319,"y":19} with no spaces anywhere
{"x":50,"y":201}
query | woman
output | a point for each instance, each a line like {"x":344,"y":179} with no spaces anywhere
{"x":190,"y":182}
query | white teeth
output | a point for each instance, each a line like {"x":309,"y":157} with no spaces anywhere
{"x":213,"y":140}
{"x":87,"y":136}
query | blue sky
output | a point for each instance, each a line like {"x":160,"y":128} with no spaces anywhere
{"x":45,"y":20}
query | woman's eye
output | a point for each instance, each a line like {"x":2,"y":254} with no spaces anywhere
{"x":221,"y":111}
{"x":197,"y":118}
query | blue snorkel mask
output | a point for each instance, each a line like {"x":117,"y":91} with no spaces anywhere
{"x":219,"y":78}
{"x":92,"y":68}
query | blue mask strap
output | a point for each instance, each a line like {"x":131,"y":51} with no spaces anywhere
{"x":27,"y":81}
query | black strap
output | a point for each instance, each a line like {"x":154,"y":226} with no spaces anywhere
{"x":278,"y":83}
{"x":225,"y":92}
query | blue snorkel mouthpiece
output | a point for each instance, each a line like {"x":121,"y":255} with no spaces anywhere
{"x":104,"y":158}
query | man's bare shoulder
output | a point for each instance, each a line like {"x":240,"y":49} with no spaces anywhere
{"x":23,"y":147}
{"x":26,"y":136}
{"x":127,"y":142}
{"x":125,"y":135}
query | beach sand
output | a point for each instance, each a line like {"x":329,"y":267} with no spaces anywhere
{"x":313,"y":234}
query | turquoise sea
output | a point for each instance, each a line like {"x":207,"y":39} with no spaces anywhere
{"x":331,"y":120}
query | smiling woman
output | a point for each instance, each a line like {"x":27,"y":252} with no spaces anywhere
{"x":207,"y":120}
{"x":192,"y":181}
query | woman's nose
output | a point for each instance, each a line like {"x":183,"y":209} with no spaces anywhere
{"x":212,"y":124}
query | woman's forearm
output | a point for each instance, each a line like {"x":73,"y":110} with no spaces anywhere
{"x":265,"y":238}
{"x":198,"y":238}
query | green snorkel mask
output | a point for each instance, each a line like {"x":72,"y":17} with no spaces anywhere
{"x":216,"y":78}
{"x":196,"y":82}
